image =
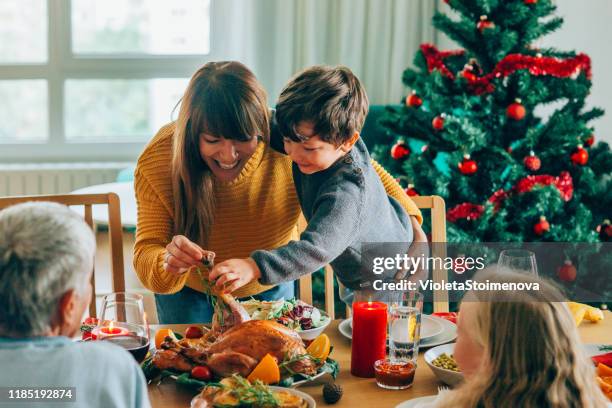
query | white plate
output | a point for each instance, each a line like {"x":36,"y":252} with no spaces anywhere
{"x":447,"y":333}
{"x":413,"y":402}
{"x":430,"y":327}
{"x":309,"y":400}
{"x":317,"y":379}
{"x":593,"y":349}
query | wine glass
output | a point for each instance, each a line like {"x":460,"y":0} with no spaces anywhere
{"x":519,"y":260}
{"x":123,"y":321}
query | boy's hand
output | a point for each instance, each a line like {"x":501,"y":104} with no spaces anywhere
{"x":234,"y":273}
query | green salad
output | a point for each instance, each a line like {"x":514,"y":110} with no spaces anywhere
{"x":292,"y":313}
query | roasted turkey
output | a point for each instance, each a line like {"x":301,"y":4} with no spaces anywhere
{"x":236,"y":344}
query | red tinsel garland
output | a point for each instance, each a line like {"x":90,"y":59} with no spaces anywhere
{"x":509,"y":64}
{"x":563,"y":182}
{"x":467,"y":211}
{"x":497,"y":198}
{"x":435,"y":58}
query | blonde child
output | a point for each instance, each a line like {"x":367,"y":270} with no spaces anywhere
{"x":519,"y":349}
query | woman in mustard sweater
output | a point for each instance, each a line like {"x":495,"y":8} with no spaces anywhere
{"x":209,"y":181}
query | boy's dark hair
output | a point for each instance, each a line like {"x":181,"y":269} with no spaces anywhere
{"x":332,"y":98}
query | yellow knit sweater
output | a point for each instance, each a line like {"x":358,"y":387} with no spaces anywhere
{"x":257,"y":210}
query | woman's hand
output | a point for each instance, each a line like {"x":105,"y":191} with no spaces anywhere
{"x":182,"y":254}
{"x":233,"y":274}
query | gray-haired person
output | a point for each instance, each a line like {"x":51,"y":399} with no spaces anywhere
{"x":46,"y":261}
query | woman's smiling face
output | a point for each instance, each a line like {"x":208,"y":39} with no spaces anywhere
{"x":226,"y":157}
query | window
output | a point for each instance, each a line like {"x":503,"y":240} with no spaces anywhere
{"x":94,"y":80}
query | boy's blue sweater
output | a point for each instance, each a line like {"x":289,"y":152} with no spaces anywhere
{"x":345,"y":205}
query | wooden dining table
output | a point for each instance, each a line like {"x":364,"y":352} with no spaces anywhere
{"x":360,"y":392}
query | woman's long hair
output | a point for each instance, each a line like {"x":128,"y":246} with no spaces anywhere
{"x":223,"y":99}
{"x":532,"y":351}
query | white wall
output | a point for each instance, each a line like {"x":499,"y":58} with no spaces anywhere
{"x":585,"y":30}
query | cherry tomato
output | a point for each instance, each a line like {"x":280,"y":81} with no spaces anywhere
{"x":201,"y":373}
{"x":194,"y":332}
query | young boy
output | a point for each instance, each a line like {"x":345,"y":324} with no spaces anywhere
{"x":320,"y":114}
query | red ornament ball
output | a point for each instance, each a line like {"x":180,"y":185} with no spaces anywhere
{"x":516,"y":111}
{"x":469,"y":75}
{"x":532,"y":162}
{"x":400,"y":151}
{"x":567,"y":272}
{"x":467,"y":166}
{"x":484,"y":24}
{"x":438,"y":123}
{"x":580,"y":156}
{"x":413,"y":100}
{"x":541,"y":226}
{"x":530,"y":1}
{"x":410,"y":191}
{"x":590,"y":140}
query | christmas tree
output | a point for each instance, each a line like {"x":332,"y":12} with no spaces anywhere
{"x":506,"y":173}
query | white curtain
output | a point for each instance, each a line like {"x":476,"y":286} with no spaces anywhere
{"x":377,"y":39}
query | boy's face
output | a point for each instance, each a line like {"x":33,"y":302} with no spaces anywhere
{"x":314,"y":155}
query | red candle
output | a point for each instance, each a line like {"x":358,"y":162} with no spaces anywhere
{"x":369,"y":337}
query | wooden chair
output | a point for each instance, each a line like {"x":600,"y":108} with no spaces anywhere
{"x":438,"y":235}
{"x":438,"y":238}
{"x":114,"y":229}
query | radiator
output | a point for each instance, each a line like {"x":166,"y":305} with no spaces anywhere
{"x":55,"y":178}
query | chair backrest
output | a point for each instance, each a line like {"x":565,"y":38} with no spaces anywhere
{"x":114,"y":229}
{"x":438,"y":248}
{"x":438,"y":235}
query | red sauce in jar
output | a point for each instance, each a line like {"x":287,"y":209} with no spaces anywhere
{"x":395,"y":374}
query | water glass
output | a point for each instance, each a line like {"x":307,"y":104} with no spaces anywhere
{"x":405,"y":327}
{"x":519,"y":260}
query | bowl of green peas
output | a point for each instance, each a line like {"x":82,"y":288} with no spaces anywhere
{"x":440,"y":360}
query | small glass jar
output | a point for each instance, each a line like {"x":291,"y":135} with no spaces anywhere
{"x":394,"y":375}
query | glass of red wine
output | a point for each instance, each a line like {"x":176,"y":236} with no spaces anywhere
{"x":123,"y":322}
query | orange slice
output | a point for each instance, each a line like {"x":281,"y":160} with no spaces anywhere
{"x":320,"y":347}
{"x":605,"y":387}
{"x":266,"y":371}
{"x":603,"y":370}
{"x":161,"y":335}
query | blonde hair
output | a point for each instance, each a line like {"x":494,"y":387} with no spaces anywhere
{"x":532,"y":350}
{"x":223,"y":99}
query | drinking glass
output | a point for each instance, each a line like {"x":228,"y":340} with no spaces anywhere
{"x":123,"y":321}
{"x":519,"y":260}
